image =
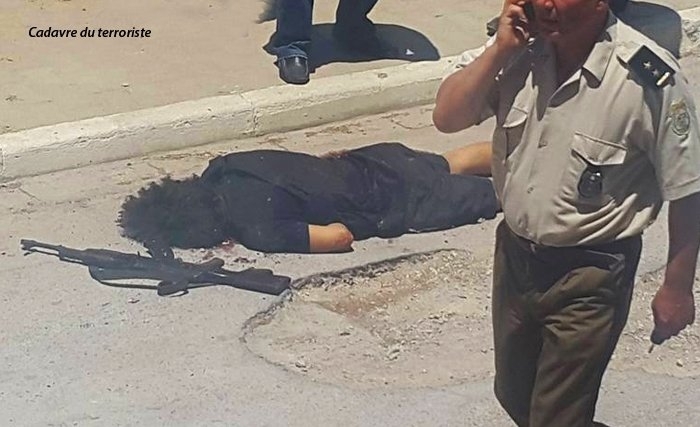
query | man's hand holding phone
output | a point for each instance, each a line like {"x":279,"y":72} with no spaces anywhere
{"x":516,"y":24}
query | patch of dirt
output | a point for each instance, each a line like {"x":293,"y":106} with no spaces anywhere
{"x":424,"y":321}
{"x":346,"y":128}
{"x":418,"y":321}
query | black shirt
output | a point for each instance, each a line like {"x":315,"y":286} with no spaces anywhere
{"x":385,"y":190}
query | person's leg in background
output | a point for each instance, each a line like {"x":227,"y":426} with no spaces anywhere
{"x":354,"y":30}
{"x":351,"y":18}
{"x":292,"y":40}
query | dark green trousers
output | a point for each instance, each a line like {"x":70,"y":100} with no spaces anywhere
{"x":557,"y":316}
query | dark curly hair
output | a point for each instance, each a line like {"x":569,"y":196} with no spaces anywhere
{"x":176,"y":213}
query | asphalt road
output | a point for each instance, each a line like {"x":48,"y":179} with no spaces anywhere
{"x":77,"y":353}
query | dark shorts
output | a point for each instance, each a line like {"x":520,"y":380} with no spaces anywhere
{"x":419,"y":194}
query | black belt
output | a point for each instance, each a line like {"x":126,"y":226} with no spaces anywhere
{"x":555,"y":260}
{"x":615,"y":246}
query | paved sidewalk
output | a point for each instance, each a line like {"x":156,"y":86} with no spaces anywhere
{"x":96,"y":100}
{"x":196,"y":50}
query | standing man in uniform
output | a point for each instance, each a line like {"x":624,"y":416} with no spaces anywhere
{"x":353,"y":30}
{"x":595,"y":128}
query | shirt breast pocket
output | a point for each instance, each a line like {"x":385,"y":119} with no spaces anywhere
{"x":593,"y":171}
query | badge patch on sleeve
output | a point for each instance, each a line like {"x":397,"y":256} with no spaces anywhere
{"x":680,"y":118}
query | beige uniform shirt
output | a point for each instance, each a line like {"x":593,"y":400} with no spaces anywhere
{"x":643,"y":140}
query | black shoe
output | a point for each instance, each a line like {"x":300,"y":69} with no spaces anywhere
{"x":294,"y":70}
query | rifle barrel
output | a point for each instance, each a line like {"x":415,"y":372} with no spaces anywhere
{"x":28,"y":245}
{"x":109,"y":264}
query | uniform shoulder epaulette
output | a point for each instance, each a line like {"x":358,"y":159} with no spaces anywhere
{"x":650,"y":68}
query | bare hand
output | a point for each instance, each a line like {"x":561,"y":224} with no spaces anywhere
{"x":514,"y":30}
{"x":673,"y":310}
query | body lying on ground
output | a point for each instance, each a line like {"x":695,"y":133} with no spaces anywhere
{"x":281,"y":201}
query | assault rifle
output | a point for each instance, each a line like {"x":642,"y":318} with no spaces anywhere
{"x":174,"y":275}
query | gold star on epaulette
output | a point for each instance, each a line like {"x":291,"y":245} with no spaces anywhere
{"x":650,"y":68}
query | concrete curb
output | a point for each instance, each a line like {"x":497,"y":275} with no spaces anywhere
{"x":190,"y":123}
{"x":275,"y":109}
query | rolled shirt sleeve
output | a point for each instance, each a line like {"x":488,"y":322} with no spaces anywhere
{"x":466,"y":58}
{"x":276,"y":236}
{"x":676,"y":154}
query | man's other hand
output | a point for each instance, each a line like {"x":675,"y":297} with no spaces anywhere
{"x":673,"y":310}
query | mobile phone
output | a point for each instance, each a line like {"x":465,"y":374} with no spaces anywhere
{"x":529,"y":10}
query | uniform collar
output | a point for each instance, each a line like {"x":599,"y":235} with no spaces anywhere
{"x":599,"y":58}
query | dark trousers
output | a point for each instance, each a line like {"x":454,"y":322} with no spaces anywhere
{"x":557,"y":316}
{"x":294,"y":18}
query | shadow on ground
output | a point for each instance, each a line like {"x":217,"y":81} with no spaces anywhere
{"x":404,"y":44}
